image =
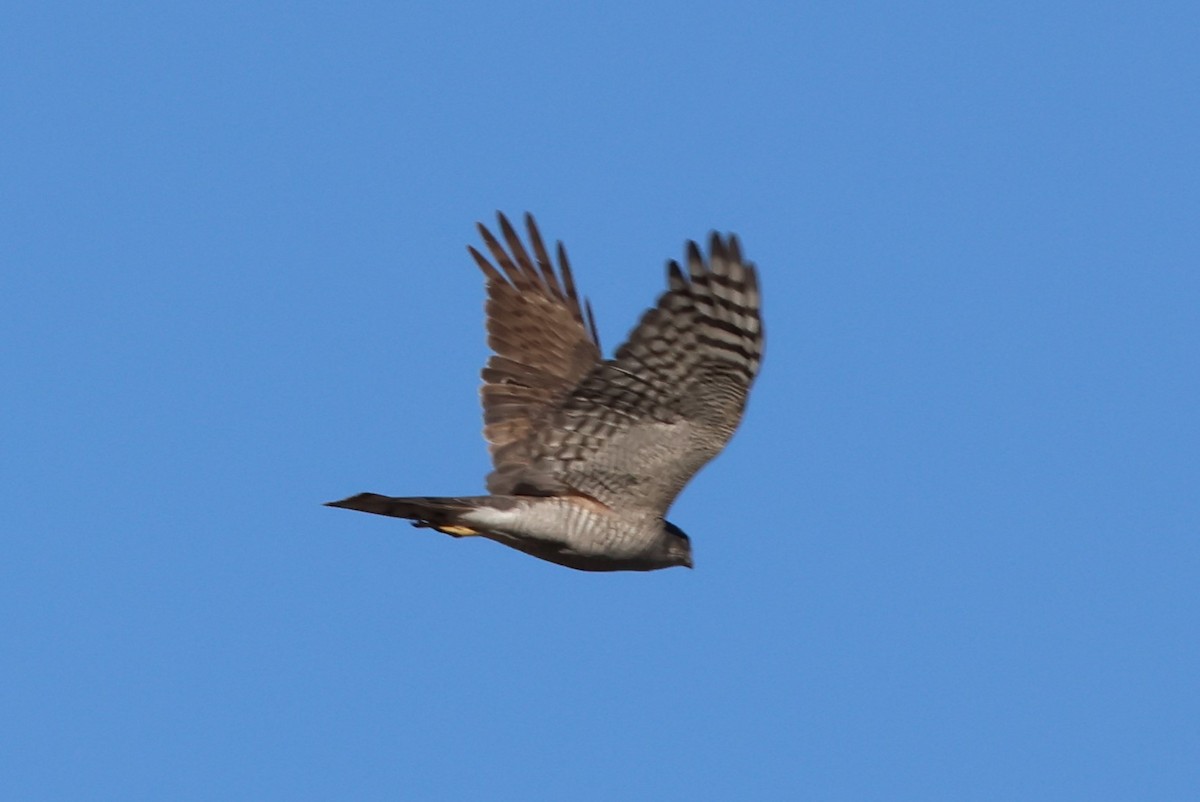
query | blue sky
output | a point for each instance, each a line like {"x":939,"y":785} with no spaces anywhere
{"x":952,"y":553}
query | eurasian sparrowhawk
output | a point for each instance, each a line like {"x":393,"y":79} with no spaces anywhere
{"x":589,"y":453}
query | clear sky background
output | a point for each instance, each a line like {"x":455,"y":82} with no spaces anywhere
{"x":953,"y":552}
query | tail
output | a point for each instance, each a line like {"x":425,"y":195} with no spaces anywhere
{"x":442,"y":514}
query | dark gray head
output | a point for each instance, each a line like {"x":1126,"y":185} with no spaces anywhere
{"x":677,"y":545}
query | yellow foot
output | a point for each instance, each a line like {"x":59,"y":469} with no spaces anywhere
{"x":457,"y":531}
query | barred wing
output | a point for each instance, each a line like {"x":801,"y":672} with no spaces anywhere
{"x":638,"y":427}
{"x":544,"y":341}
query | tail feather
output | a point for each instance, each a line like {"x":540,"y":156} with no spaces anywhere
{"x":437,"y":513}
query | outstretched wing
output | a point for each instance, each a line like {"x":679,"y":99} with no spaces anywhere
{"x":639,"y":426}
{"x":544,"y":341}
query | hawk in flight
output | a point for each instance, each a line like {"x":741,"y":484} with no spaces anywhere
{"x":588,"y":452}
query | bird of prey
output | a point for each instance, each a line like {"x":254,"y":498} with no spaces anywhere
{"x":589,"y":453}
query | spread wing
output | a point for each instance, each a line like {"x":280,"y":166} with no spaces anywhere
{"x":639,"y":426}
{"x":544,"y":341}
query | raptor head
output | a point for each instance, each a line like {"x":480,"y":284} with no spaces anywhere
{"x":676,"y":545}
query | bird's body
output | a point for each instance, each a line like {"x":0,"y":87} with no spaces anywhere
{"x":574,"y":532}
{"x":588,"y":453}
